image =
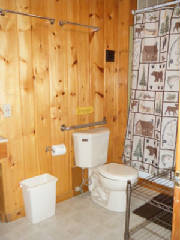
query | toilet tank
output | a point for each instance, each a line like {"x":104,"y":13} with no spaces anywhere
{"x":91,"y":147}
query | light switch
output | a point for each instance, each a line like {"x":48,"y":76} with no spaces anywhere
{"x":6,"y":110}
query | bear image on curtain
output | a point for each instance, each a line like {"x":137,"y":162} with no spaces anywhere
{"x":150,"y":141}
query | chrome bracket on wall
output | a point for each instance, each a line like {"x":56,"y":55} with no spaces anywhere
{"x":65,"y":128}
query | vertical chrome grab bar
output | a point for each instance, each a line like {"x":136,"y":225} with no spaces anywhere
{"x":65,"y":128}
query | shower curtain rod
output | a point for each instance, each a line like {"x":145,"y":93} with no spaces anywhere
{"x":62,"y":23}
{"x":3,"y":11}
{"x":155,"y":7}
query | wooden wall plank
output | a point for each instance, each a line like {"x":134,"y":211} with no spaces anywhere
{"x":59,"y":96}
{"x":96,"y":18}
{"x":122,"y":84}
{"x":83,"y":65}
{"x":110,"y":78}
{"x":11,"y":127}
{"x":2,"y":192}
{"x":31,"y":166}
{"x":3,"y":150}
{"x":40,"y":63}
{"x":72,"y":79}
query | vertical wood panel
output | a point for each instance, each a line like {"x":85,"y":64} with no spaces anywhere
{"x":122,"y":86}
{"x":83,"y":64}
{"x":10,"y":94}
{"x":31,"y":167}
{"x":110,"y":78}
{"x":40,"y":64}
{"x":96,"y":17}
{"x":72,"y":77}
{"x":59,"y":96}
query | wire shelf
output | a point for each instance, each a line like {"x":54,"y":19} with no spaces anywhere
{"x":156,"y":191}
{"x":150,"y":230}
{"x":147,"y":189}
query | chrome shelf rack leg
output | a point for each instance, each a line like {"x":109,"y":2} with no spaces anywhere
{"x":127,"y":216}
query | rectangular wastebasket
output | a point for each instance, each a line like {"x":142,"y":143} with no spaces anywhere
{"x":39,"y":195}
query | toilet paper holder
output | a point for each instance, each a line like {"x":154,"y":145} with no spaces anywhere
{"x":49,"y":149}
{"x":56,"y":150}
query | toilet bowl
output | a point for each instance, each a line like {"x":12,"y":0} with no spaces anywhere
{"x":109,"y":183}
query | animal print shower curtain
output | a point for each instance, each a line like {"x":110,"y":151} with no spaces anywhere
{"x":152,"y":123}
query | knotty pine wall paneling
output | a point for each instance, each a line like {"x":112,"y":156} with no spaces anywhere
{"x":122,"y":84}
{"x":74,"y":64}
{"x":97,"y":54}
{"x":58,"y":46}
{"x":111,"y":69}
{"x":10,"y":94}
{"x":40,"y":66}
{"x":46,"y":73}
{"x":27,"y":90}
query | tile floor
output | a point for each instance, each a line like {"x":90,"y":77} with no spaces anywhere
{"x":76,"y":219}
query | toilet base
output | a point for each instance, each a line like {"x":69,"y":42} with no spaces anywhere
{"x":111,"y":200}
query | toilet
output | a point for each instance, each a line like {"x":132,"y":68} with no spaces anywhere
{"x":107,"y":182}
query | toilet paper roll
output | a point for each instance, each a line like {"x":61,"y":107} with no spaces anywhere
{"x":58,"y":150}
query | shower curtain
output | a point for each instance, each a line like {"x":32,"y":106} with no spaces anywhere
{"x":150,"y":141}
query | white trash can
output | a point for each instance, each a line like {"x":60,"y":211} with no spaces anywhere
{"x":39,"y":195}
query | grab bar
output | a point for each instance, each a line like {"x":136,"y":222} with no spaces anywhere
{"x":65,"y":128}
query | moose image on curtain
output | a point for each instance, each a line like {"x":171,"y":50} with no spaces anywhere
{"x":150,"y":141}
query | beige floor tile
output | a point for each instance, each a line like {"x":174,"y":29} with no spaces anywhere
{"x":76,"y":219}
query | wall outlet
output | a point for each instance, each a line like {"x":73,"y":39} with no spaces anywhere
{"x":6,"y":110}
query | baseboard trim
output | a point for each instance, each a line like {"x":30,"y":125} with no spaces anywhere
{"x":64,"y":196}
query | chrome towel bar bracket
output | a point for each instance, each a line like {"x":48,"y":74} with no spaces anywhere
{"x":65,"y":128}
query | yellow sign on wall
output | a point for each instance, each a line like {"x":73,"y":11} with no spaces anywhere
{"x":84,"y":110}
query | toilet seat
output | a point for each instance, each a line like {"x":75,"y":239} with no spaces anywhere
{"x":116,"y":171}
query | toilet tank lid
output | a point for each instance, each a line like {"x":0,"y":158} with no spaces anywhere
{"x":93,"y":131}
{"x":118,"y":171}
